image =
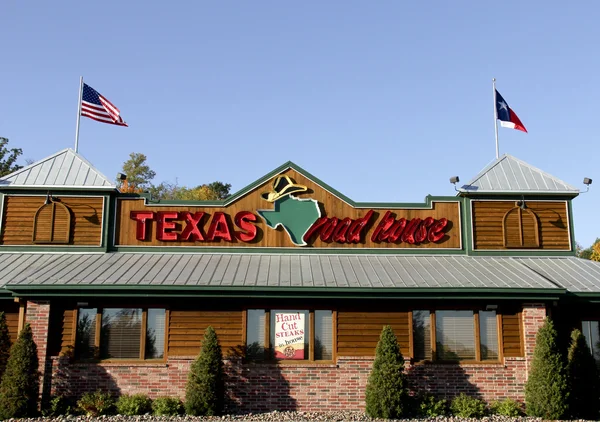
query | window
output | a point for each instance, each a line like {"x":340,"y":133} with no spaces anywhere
{"x":460,"y":335}
{"x":124,"y":333}
{"x":290,"y":335}
{"x":591,"y":331}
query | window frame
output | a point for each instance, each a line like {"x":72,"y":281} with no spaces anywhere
{"x":477,"y":337}
{"x":267,"y":359}
{"x":583,"y":331}
{"x":143,"y":329}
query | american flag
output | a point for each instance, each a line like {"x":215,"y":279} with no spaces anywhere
{"x":95,"y":106}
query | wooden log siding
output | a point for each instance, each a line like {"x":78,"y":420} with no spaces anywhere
{"x":186,"y":330}
{"x":512,"y":334}
{"x":358,"y":332}
{"x":552,"y":223}
{"x":19,"y":213}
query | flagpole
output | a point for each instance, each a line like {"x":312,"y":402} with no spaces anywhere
{"x":78,"y":114}
{"x":495,"y":117}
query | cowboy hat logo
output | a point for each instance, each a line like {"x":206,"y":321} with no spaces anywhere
{"x":282,"y":185}
{"x":295,"y":215}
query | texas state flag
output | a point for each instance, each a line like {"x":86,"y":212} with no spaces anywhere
{"x":507,"y":117}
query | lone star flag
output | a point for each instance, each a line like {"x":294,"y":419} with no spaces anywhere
{"x":507,"y":117}
{"x":95,"y":106}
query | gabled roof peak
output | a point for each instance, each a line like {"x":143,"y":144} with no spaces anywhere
{"x":508,"y":174}
{"x":65,"y":169}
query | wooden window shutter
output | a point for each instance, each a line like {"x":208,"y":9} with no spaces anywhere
{"x":52,"y":224}
{"x":520,"y":229}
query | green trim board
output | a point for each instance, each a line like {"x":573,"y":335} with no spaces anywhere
{"x":284,"y":292}
{"x":301,"y":251}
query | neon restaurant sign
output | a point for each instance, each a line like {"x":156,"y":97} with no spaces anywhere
{"x":300,"y":218}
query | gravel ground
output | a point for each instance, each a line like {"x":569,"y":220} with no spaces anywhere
{"x":267,"y":417}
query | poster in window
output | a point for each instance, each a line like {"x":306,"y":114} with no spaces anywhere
{"x":289,"y":335}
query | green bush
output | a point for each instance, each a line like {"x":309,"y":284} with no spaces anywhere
{"x":546,"y":391}
{"x":386,"y":395}
{"x":19,"y":388}
{"x":430,"y":407}
{"x":507,"y":407}
{"x":584,"y":380}
{"x":96,"y":404}
{"x":464,"y":406}
{"x":205,"y":390}
{"x":167,"y":406}
{"x":131,"y":405}
{"x":4,"y":344}
{"x":59,"y":406}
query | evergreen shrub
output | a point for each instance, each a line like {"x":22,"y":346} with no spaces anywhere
{"x":465,"y":406}
{"x":584,"y":380}
{"x":97,"y":403}
{"x":167,"y":406}
{"x":546,"y":391}
{"x":386,"y":394}
{"x":205,"y":390}
{"x":19,"y":389}
{"x":507,"y":407}
{"x":136,"y":404}
{"x":4,"y":344}
{"x":59,"y":406}
{"x":430,"y":407}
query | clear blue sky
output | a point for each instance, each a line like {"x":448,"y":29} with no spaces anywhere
{"x":382,"y":100}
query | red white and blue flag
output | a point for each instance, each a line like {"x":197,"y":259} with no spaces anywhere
{"x":507,"y":117}
{"x":95,"y":106}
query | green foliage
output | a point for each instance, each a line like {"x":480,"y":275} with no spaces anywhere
{"x":8,"y":157}
{"x":4,"y":344}
{"x":205,"y":390}
{"x":139,"y":174}
{"x":587,"y":252}
{"x":59,"y":406}
{"x":386,"y":395}
{"x":584,"y":380}
{"x":136,"y":404}
{"x":430,"y":407}
{"x":97,"y":404}
{"x":464,"y":406}
{"x":507,"y":407}
{"x":167,"y":406}
{"x":19,"y":388}
{"x":220,"y":189}
{"x":546,"y":392}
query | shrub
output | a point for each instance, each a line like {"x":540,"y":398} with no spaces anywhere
{"x":507,"y":407}
{"x":96,"y":403}
{"x":19,"y":388}
{"x":464,"y":406}
{"x":386,"y":395}
{"x":546,"y":389}
{"x":167,"y":406}
{"x":430,"y":407}
{"x":137,"y":404}
{"x":4,"y":344}
{"x":584,"y":380}
{"x":204,"y":392}
{"x":59,"y":406}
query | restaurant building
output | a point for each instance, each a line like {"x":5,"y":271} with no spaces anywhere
{"x":297,"y":280}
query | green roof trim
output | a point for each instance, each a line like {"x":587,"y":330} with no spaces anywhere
{"x":284,"y":292}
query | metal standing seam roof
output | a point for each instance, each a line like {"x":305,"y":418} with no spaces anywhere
{"x":574,"y":274}
{"x":508,"y":174}
{"x":65,"y":169}
{"x":268,"y":270}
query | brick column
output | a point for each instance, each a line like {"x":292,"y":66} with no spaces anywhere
{"x":38,"y":317}
{"x":533,"y":318}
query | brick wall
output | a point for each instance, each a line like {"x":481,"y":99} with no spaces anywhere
{"x":307,"y":387}
{"x":38,"y":317}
